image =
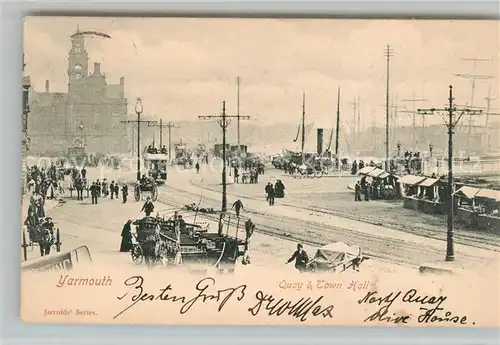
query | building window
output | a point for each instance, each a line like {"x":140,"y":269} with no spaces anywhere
{"x":96,"y":124}
{"x":98,"y":96}
{"x":78,"y":96}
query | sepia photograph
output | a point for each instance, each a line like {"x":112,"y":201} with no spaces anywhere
{"x":217,"y":171}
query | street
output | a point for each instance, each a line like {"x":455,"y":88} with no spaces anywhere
{"x":279,"y":228}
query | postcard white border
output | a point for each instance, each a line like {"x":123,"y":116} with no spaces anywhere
{"x":14,"y":332}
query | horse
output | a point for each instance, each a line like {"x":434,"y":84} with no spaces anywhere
{"x":151,"y":249}
{"x":45,"y":240}
{"x":79,"y":184}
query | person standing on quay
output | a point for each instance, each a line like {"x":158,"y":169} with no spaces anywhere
{"x":126,"y":244}
{"x":270,"y":194}
{"x":124,"y":192}
{"x":238,"y":205}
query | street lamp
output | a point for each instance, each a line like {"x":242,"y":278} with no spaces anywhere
{"x":80,"y":126}
{"x":398,"y":145}
{"x":138,"y":110}
{"x":431,"y":147}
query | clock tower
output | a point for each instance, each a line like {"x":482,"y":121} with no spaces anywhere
{"x":78,"y":58}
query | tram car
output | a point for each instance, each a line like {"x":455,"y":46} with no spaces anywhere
{"x":156,"y":165}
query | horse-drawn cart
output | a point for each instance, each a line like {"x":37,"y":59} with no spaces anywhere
{"x":336,"y":257}
{"x":147,"y":186}
{"x":177,"y":241}
{"x":148,"y":245}
{"x":41,"y":233}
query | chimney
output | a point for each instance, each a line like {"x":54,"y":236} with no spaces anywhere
{"x":319,"y":143}
{"x":97,"y":68}
{"x":47,"y":86}
{"x":122,"y":81}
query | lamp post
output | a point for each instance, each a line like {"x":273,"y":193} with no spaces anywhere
{"x":431,"y":147}
{"x":454,"y":115}
{"x":80,"y":126}
{"x":398,"y":145}
{"x":138,"y":110}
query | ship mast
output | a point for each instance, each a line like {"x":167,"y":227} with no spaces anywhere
{"x":303,"y":126}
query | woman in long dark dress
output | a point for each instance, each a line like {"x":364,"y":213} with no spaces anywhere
{"x":126,"y":244}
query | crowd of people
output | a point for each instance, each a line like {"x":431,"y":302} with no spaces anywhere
{"x":45,"y":182}
{"x":274,"y":191}
{"x":154,"y":150}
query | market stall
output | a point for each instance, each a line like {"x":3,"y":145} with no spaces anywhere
{"x":478,"y":208}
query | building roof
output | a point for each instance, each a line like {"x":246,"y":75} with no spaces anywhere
{"x":115,"y":91}
{"x":47,"y":98}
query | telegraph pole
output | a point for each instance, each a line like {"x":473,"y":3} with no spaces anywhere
{"x":161,"y":126}
{"x":414,"y":116}
{"x":454,"y":115}
{"x":139,"y":110}
{"x":238,"y":110}
{"x":170,"y":126}
{"x":388,"y":53}
{"x":303,"y":136}
{"x":224,"y":120}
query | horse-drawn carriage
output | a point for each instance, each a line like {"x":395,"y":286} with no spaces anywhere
{"x":161,"y":240}
{"x":146,"y":185}
{"x":336,"y":257}
{"x":172,"y":241}
{"x":41,"y":232}
{"x":148,"y":245}
{"x":307,"y":171}
{"x":78,"y":183}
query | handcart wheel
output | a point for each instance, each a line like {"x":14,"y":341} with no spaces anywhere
{"x":25,"y":246}
{"x":154,"y":193}
{"x":137,"y":193}
{"x":137,"y":254}
{"x":58,"y":241}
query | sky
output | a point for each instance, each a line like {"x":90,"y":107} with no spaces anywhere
{"x":184,"y":67}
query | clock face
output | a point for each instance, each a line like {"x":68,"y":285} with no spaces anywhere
{"x":78,"y":71}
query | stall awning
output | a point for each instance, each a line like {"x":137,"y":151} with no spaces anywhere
{"x":488,"y":194}
{"x":376,"y":172}
{"x":411,"y":179}
{"x":467,"y":192}
{"x":428,"y":182}
{"x":383,"y":175}
{"x":366,"y":170}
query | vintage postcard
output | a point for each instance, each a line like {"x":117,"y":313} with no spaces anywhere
{"x":203,"y":171}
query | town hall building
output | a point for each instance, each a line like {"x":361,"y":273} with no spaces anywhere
{"x":89,"y":114}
